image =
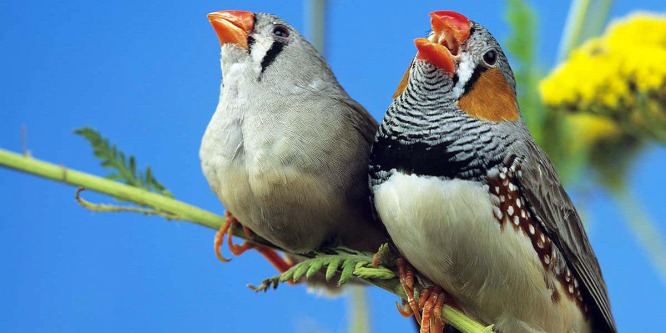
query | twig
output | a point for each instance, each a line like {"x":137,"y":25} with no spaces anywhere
{"x":178,"y":210}
{"x":113,"y":208}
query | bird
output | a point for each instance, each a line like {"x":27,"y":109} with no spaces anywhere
{"x":287,"y":149}
{"x":469,"y":199}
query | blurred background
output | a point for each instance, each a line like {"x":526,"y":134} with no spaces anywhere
{"x":146,"y":74}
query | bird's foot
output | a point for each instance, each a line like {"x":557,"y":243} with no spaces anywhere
{"x":219,"y":236}
{"x":406,"y":276}
{"x":271,"y":255}
{"x":431,"y":301}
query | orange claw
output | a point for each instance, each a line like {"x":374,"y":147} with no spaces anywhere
{"x":432,"y":310}
{"x":271,"y":255}
{"x":404,"y":311}
{"x":439,"y":321}
{"x":238,"y":249}
{"x":274,"y":258}
{"x":219,"y":236}
{"x":406,"y":275}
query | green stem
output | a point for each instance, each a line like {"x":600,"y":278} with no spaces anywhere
{"x":644,"y":229}
{"x":586,"y":19}
{"x":359,"y":321}
{"x":316,"y":19}
{"x":178,"y":209}
{"x":572,"y":28}
{"x":181,"y":211}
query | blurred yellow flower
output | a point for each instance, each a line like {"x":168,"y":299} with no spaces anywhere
{"x":621,"y":75}
{"x":588,"y":128}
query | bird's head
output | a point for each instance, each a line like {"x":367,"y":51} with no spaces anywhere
{"x":470,"y":66}
{"x":264,"y":51}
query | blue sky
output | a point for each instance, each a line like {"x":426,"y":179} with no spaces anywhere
{"x":146,"y":74}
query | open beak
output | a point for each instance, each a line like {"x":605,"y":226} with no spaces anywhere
{"x":232,"y":26}
{"x":451,"y":30}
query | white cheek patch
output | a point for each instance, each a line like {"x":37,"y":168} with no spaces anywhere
{"x":465,"y":70}
{"x":259,"y":50}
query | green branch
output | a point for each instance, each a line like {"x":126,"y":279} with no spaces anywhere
{"x":178,"y":210}
{"x":644,"y":229}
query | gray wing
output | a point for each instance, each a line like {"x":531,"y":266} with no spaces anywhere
{"x":541,"y":187}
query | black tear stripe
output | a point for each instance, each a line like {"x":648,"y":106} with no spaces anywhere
{"x":250,"y":43}
{"x":273,"y":52}
{"x":475,"y":77}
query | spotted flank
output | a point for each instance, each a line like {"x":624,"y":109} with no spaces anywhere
{"x":510,"y":209}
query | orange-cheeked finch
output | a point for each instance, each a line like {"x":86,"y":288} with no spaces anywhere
{"x":472,"y":202}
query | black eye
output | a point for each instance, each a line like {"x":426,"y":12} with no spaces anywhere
{"x":490,"y":57}
{"x":281,"y":31}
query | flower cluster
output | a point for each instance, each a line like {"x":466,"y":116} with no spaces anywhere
{"x":620,"y":75}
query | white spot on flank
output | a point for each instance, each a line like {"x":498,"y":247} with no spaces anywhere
{"x":516,"y":220}
{"x":546,"y":259}
{"x":571,"y":289}
{"x":532,"y":229}
{"x":522,"y":213}
{"x":510,"y":210}
{"x":518,"y":203}
{"x":497,"y":212}
{"x":512,"y":187}
{"x":497,"y":189}
{"x":502,"y":175}
{"x":502,"y":198}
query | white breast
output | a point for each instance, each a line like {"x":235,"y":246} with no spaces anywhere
{"x":447,"y":230}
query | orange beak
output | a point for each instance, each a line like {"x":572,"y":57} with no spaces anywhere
{"x":232,"y":26}
{"x":450,"y":31}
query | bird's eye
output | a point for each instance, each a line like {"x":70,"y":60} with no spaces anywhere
{"x":490,"y":57}
{"x":281,"y":31}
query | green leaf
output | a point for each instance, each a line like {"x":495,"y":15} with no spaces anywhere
{"x":314,"y":268}
{"x":347,"y":271}
{"x":288,"y":275}
{"x":347,"y":262}
{"x":300,"y":271}
{"x":332,"y":268}
{"x":125,"y":168}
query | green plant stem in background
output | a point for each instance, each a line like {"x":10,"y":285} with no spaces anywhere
{"x":585,"y":20}
{"x":185,"y":212}
{"x":572,"y":28}
{"x":522,"y":45}
{"x":359,"y":318}
{"x":644,"y":229}
{"x":316,"y":18}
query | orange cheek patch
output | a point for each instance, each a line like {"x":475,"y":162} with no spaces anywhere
{"x":403,"y":83}
{"x":491,"y":98}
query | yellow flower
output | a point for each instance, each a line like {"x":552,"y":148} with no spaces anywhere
{"x":588,"y":129}
{"x":621,"y":75}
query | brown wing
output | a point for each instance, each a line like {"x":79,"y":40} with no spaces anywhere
{"x":558,"y":218}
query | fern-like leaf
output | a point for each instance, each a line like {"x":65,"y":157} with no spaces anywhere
{"x":125,"y":168}
{"x":347,"y":262}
